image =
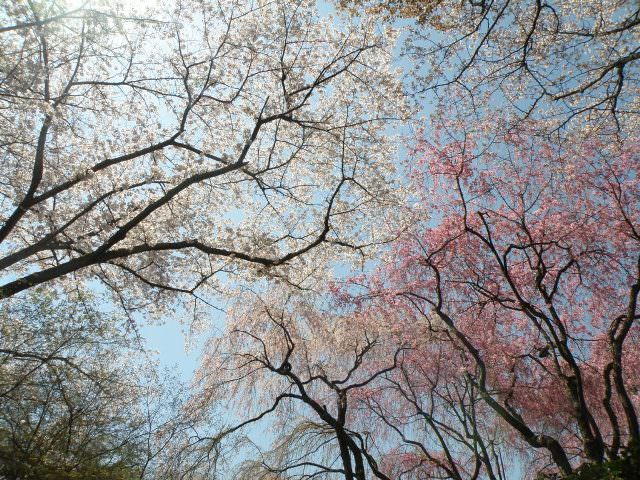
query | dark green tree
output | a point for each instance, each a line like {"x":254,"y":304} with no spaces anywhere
{"x":74,"y":394}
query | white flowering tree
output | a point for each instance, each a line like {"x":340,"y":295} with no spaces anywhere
{"x":569,"y":63}
{"x":166,"y":151}
{"x":291,"y":375}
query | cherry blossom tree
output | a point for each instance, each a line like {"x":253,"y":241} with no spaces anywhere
{"x":283,"y":360}
{"x":509,"y":309}
{"x":525,"y":261}
{"x":566,"y":62}
{"x":199,"y":149}
{"x":158,"y":151}
{"x":316,"y":389}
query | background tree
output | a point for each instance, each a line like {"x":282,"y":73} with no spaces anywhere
{"x":433,"y":417}
{"x":156,"y":151}
{"x":76,"y":399}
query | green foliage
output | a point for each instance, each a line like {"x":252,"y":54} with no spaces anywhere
{"x":35,"y":468}
{"x":69,"y":398}
{"x":625,"y":467}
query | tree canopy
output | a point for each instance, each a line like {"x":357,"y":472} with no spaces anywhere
{"x":198,"y":141}
{"x":406,"y":235}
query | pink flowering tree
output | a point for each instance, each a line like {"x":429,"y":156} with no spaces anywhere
{"x":524,"y":265}
{"x":433,"y":418}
